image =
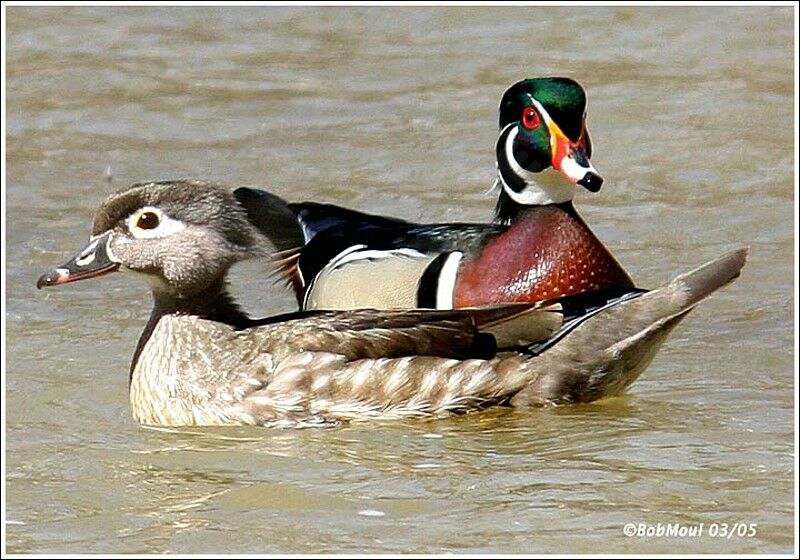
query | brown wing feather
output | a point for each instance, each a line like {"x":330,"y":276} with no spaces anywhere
{"x":370,"y":333}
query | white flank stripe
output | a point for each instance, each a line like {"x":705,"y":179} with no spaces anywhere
{"x":446,"y":286}
{"x":353,"y":253}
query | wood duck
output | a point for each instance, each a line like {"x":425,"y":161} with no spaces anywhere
{"x":538,"y":247}
{"x":202,"y":361}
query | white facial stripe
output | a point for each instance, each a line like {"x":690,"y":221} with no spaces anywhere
{"x":571,"y":168}
{"x":446,"y":286}
{"x":547,"y":120}
{"x":542,"y":187}
{"x":518,"y":170}
{"x":166,"y":225}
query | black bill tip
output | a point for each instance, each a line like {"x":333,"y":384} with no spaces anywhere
{"x":591,"y":182}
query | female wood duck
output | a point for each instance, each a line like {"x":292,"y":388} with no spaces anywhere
{"x":202,"y":361}
{"x":538,"y":248}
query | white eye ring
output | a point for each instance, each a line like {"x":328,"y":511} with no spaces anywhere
{"x":166,"y":225}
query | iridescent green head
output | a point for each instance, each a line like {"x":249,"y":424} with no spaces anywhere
{"x":544,"y":147}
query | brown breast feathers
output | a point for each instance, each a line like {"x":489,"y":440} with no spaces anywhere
{"x":548,"y":253}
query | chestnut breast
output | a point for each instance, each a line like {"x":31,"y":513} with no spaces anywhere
{"x":548,"y":252}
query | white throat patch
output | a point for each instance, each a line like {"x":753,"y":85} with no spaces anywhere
{"x":545,"y":187}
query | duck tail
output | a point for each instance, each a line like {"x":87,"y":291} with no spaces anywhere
{"x":603,"y":354}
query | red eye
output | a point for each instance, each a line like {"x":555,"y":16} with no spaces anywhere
{"x":530,"y":118}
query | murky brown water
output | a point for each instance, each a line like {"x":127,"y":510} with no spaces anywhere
{"x":393,"y":111}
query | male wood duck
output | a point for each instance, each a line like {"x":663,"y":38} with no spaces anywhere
{"x":202,"y":361}
{"x":538,"y":247}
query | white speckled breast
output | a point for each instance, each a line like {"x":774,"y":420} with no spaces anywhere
{"x":186,"y":375}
